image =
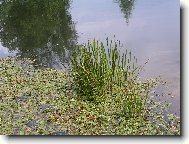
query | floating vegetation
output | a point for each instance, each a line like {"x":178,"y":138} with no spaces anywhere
{"x":100,"y":95}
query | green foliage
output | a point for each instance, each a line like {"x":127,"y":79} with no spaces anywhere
{"x":96,"y":70}
{"x":42,"y":102}
{"x":27,"y":94}
{"x":111,"y":79}
{"x":100,"y":75}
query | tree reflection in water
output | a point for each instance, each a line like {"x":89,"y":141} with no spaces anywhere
{"x":126,"y":7}
{"x":38,"y":29}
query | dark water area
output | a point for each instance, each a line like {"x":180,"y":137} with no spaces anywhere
{"x":49,"y":30}
{"x":41,"y":30}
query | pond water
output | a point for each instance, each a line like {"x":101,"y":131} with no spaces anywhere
{"x":48,"y":32}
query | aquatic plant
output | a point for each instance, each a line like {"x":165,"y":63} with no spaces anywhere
{"x":97,"y":68}
{"x":43,"y":102}
{"x":98,"y":72}
{"x":110,"y":78}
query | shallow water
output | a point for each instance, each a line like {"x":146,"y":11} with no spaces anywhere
{"x":150,"y":28}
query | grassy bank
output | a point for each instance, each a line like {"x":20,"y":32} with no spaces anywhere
{"x":100,"y":95}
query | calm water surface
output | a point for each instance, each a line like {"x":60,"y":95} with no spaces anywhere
{"x":48,"y":33}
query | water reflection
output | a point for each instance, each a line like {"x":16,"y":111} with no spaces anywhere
{"x":153,"y":33}
{"x":44,"y":29}
{"x":40,"y":29}
{"x":126,"y":7}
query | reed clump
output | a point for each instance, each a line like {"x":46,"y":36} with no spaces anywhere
{"x":97,"y":68}
{"x":99,"y":71}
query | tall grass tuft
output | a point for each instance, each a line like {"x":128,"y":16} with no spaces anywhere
{"x":104,"y":74}
{"x":98,"y":68}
